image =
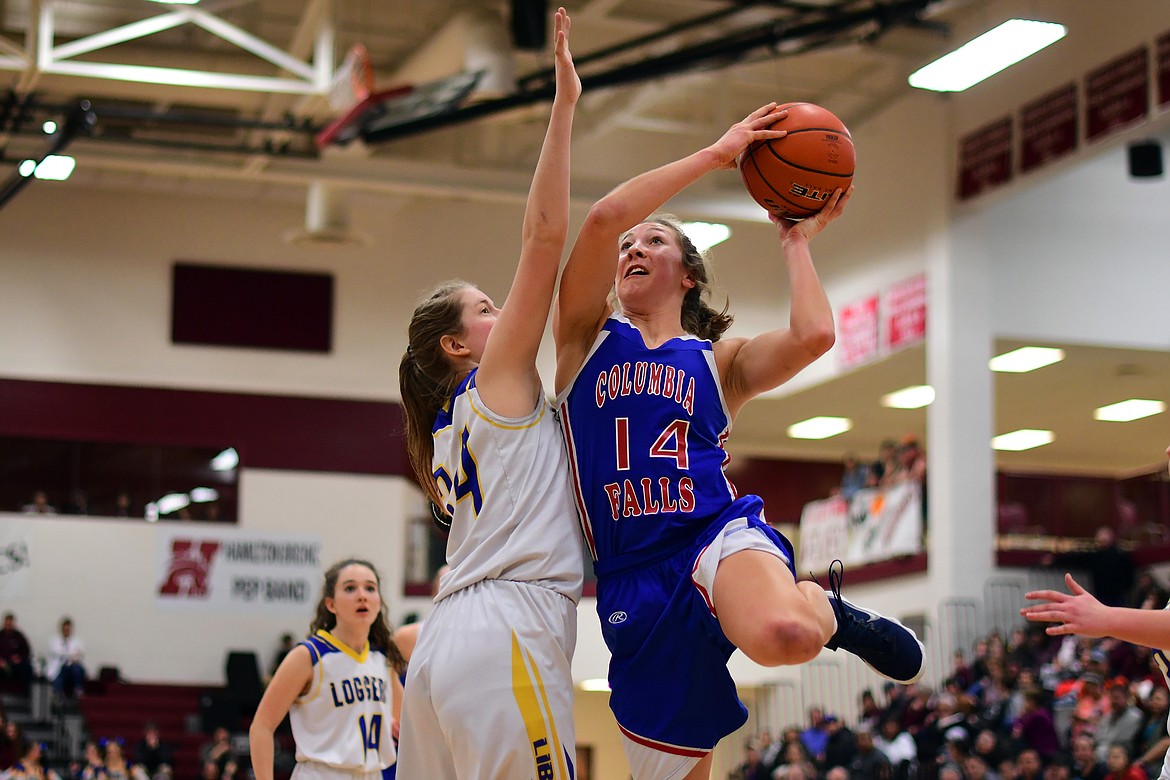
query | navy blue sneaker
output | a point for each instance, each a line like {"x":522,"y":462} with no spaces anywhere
{"x":886,"y":646}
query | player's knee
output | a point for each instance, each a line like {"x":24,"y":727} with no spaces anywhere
{"x":784,"y":641}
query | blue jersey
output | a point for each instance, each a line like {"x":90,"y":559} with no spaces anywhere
{"x":645,"y":430}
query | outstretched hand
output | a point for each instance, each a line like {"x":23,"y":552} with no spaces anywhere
{"x":810,"y":226}
{"x":754,"y":127}
{"x":1075,"y":612}
{"x":568,"y":82}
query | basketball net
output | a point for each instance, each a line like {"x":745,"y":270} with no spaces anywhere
{"x":353,"y":81}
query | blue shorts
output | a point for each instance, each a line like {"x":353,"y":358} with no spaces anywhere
{"x":671,"y":690}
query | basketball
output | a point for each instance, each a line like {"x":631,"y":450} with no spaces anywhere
{"x":793,"y":176}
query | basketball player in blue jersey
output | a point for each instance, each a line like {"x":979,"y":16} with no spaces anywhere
{"x":1079,"y":612}
{"x":489,"y":691}
{"x":688,"y":570}
{"x":337,"y":686}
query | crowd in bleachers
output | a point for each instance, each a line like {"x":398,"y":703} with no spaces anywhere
{"x":1025,"y":706}
{"x":896,"y":462}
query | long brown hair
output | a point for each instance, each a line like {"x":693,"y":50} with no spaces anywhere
{"x":427,"y":378}
{"x":380,"y":638}
{"x":698,"y":318}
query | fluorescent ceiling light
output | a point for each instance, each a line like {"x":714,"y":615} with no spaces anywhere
{"x":177,"y":2}
{"x":913,"y":397}
{"x":1024,"y":359}
{"x":1133,"y":409}
{"x":1023,"y":439}
{"x":49,"y":127}
{"x":594,"y":684}
{"x":819,"y":427}
{"x":226,"y":460}
{"x":987,"y":55}
{"x":172,"y":502}
{"x":705,"y":235}
{"x":55,"y":167}
{"x":201,"y":495}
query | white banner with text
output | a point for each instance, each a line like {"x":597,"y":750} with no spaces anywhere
{"x":224,"y":569}
{"x":875,"y":525}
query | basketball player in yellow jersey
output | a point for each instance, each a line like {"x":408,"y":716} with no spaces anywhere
{"x":489,"y":692}
{"x":337,"y":686}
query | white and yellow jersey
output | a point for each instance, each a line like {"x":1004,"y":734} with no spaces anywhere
{"x":505,"y":483}
{"x":343,"y":720}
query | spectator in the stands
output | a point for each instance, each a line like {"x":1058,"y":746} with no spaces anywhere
{"x":887,"y":461}
{"x":1090,"y":704}
{"x":1057,"y":768}
{"x":282,"y":649}
{"x":66,"y":668}
{"x":815,"y":736}
{"x":1152,"y":741}
{"x":869,"y":763}
{"x":219,"y":750}
{"x":854,"y":476}
{"x":123,"y":506}
{"x":1147,"y":592}
{"x":39,"y":505}
{"x":152,"y":754}
{"x":117,"y":768}
{"x":871,"y":714}
{"x":1035,"y":729}
{"x":15,"y":658}
{"x":909,"y":464}
{"x":977,"y":768}
{"x":1121,"y":722}
{"x":1120,"y":765}
{"x":1085,"y":765}
{"x":78,"y":503}
{"x":11,"y":743}
{"x":899,"y":748}
{"x":31,"y":765}
{"x":92,"y":766}
{"x":1029,"y":766}
{"x":842,"y":743}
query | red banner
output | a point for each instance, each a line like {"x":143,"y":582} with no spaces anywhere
{"x":985,"y":158}
{"x":857,"y":332}
{"x":1117,"y":94}
{"x":904,"y":310}
{"x":1048,"y":128}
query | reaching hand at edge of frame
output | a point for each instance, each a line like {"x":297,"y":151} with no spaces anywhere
{"x":756,"y":126}
{"x":568,"y":82}
{"x":1075,"y":612}
{"x":812,"y":225}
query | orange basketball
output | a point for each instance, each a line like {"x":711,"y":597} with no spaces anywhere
{"x":793,"y":176}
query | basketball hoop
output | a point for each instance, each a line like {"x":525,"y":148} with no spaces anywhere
{"x":353,"y":81}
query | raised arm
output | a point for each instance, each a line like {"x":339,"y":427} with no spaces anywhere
{"x":749,"y":367}
{"x":582,"y":306}
{"x":508,"y":381}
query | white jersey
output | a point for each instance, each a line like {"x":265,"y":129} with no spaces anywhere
{"x":343,"y":720}
{"x":505,"y":483}
{"x":1163,"y":662}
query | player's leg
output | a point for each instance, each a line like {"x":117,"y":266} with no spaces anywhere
{"x":776,"y":620}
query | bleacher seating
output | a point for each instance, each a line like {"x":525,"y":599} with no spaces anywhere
{"x":121,"y":709}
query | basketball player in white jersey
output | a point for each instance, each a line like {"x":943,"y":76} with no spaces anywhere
{"x":489,"y":692}
{"x":1079,"y":612}
{"x":337,"y":686}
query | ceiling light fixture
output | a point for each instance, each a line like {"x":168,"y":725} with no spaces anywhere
{"x":987,"y":55}
{"x":1127,"y":411}
{"x":1025,"y":359}
{"x":226,"y":460}
{"x":54,"y":167}
{"x":913,"y":397}
{"x":705,"y":235}
{"x":819,"y":427}
{"x":1023,"y":439}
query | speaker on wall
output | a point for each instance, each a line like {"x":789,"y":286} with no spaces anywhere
{"x":1145,"y":159}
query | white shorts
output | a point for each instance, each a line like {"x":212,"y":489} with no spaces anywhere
{"x":489,"y":691}
{"x":315,"y":770}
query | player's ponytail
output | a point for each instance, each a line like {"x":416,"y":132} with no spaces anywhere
{"x":426,"y":378}
{"x":698,"y":318}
